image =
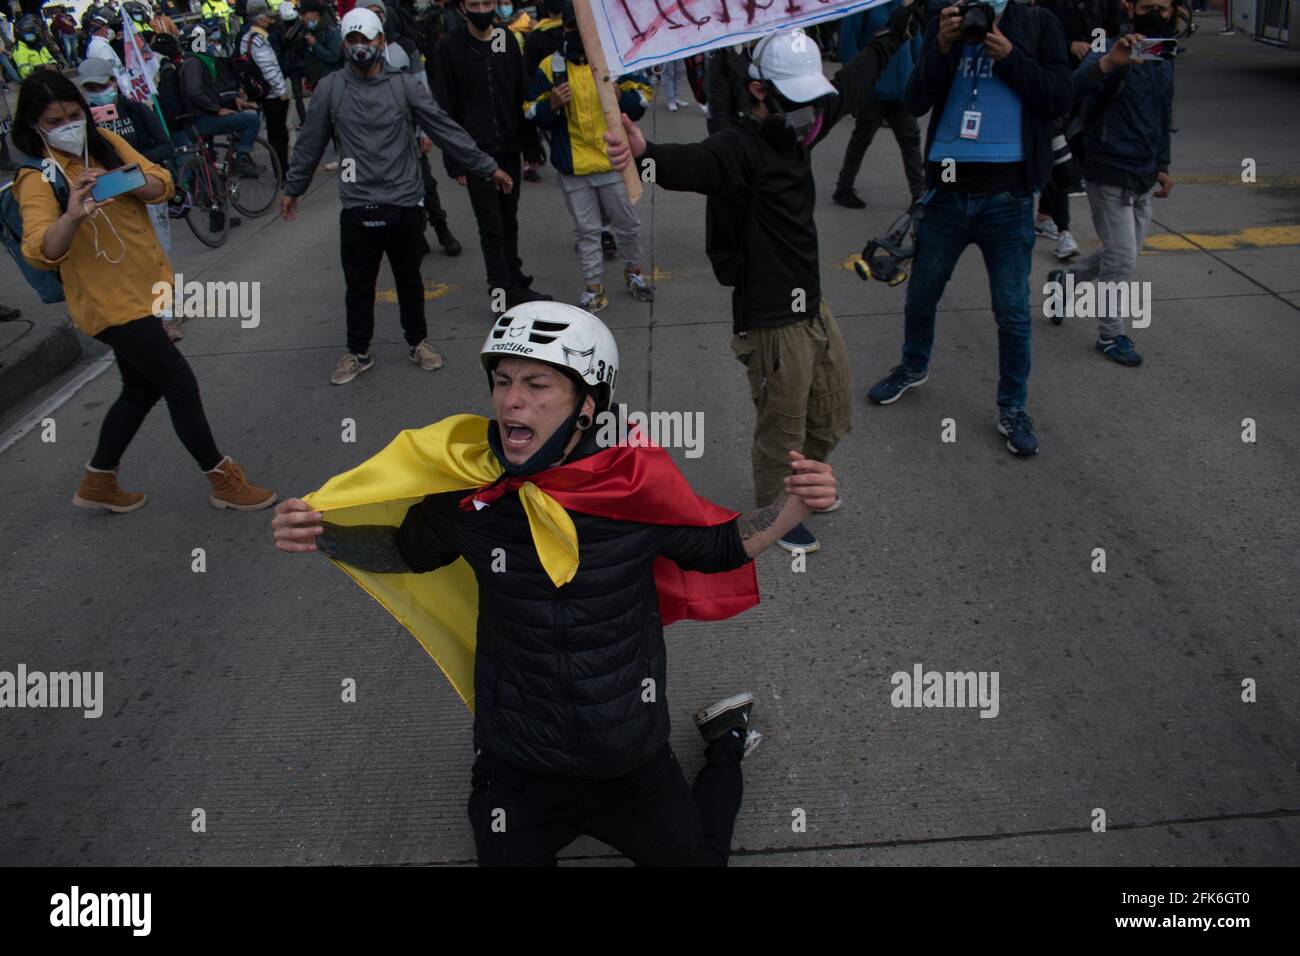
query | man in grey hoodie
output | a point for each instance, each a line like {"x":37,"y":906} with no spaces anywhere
{"x":372,"y":109}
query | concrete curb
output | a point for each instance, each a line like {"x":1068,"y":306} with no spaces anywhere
{"x":33,"y":358}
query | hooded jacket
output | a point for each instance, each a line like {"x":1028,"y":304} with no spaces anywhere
{"x":372,"y":130}
{"x":771,"y":193}
{"x":576,"y":130}
{"x":481,"y":89}
{"x":1129,"y":142}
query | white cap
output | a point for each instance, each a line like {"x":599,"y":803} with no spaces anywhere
{"x":288,"y":11}
{"x":360,"y":20}
{"x":791,"y":60}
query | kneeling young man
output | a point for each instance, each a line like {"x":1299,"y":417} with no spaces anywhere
{"x":581,"y":555}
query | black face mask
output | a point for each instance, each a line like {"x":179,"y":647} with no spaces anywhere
{"x":543,"y":458}
{"x":482,"y":19}
{"x":1152,"y":24}
{"x":574,"y":51}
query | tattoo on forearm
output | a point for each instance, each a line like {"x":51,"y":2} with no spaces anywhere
{"x":753,"y":523}
{"x":369,"y":547}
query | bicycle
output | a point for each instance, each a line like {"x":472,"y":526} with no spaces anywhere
{"x":203,"y":175}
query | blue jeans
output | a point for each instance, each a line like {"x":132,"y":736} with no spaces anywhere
{"x":1002,"y":226}
{"x":243,"y":125}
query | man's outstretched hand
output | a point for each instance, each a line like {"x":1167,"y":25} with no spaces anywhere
{"x":811,"y":487}
{"x":621,"y":154}
{"x":812,"y":484}
{"x":296,"y":526}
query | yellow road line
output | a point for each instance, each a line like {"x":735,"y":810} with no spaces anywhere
{"x":432,"y":290}
{"x":1244,"y":239}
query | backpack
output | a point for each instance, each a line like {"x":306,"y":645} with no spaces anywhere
{"x":46,"y":282}
{"x":250,"y":76}
{"x":170,"y":100}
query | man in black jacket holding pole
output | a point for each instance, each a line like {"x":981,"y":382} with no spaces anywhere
{"x":758,"y":177}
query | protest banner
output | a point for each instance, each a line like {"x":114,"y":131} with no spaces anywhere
{"x":636,"y":34}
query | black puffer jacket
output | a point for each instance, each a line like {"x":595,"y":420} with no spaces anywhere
{"x":558,"y":671}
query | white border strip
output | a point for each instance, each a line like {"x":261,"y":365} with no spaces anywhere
{"x":52,"y":403}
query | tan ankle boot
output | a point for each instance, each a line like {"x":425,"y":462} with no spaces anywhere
{"x":231,"y":489}
{"x":98,"y":489}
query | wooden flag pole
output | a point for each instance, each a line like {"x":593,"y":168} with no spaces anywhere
{"x":606,"y":90}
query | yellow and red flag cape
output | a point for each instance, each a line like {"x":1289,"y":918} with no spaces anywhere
{"x":625,"y":483}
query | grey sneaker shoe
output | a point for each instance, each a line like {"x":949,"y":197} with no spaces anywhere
{"x":349,"y":367}
{"x":730,"y":713}
{"x":424,"y":356}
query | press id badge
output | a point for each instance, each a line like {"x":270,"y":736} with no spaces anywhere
{"x":970,"y":124}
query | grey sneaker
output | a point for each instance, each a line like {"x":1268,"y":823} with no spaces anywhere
{"x":424,"y":356}
{"x":730,"y":713}
{"x":1066,"y":247}
{"x":1046,"y":228}
{"x":349,"y":367}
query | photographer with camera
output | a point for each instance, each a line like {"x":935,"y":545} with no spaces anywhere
{"x":1126,"y":158}
{"x":994,"y":77}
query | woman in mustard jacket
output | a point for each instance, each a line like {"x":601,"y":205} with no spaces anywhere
{"x":112,"y":269}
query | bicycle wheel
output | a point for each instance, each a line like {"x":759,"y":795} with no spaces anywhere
{"x":253,"y":195}
{"x":207,"y":216}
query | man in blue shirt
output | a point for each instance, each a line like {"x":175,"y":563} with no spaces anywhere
{"x":988,"y":149}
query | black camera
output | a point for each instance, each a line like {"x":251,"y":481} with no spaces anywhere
{"x":976,"y":21}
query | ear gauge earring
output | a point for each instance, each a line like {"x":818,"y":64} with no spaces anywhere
{"x":583,"y":422}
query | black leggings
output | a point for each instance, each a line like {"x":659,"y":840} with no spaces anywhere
{"x":152,"y":368}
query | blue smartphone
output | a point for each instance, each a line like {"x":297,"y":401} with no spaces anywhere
{"x":117,"y":182}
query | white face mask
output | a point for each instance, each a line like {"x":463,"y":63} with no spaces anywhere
{"x":71,"y":137}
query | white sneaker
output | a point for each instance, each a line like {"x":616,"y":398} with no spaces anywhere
{"x":1066,"y":247}
{"x":672,"y":106}
{"x":1046,"y":228}
{"x":683,"y":103}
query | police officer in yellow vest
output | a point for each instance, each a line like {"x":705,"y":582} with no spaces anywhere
{"x":218,"y":10}
{"x":30,"y":52}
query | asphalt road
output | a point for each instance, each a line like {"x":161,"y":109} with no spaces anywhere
{"x":1119,"y":690}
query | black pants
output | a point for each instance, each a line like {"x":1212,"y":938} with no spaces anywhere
{"x":1055,"y":202}
{"x":296,"y":83}
{"x":277,"y":131}
{"x":366,"y":234}
{"x":906,"y":131}
{"x":152,"y":368}
{"x":432,"y":204}
{"x":651,"y":816}
{"x":497,"y":214}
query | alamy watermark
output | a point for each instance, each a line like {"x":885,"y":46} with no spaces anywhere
{"x":1081,"y":299}
{"x":216,"y":300}
{"x":76,"y":689}
{"x":923,"y":688}
{"x":640,"y":429}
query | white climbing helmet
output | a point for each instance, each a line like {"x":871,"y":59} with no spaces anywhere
{"x":557,"y":334}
